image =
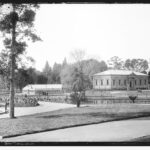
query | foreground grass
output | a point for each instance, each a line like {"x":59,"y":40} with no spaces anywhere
{"x":141,"y":139}
{"x":71,"y":117}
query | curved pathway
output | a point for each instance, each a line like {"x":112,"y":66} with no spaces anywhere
{"x":116,"y":131}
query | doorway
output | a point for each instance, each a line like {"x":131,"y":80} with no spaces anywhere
{"x":131,"y":84}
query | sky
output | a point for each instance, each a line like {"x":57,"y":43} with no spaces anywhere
{"x":101,"y":30}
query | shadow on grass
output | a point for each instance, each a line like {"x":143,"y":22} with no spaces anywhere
{"x":101,"y":114}
{"x":2,"y":113}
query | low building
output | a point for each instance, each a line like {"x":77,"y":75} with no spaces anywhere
{"x":42,"y":89}
{"x":120,"y":80}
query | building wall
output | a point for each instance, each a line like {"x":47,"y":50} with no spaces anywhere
{"x":29,"y":92}
{"x":120,"y":82}
{"x":97,"y":82}
{"x":143,"y":80}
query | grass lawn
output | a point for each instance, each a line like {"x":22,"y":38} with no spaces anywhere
{"x":71,"y":117}
{"x":141,"y":139}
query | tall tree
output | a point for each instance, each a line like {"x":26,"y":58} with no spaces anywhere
{"x":92,"y":66}
{"x":138,"y":65}
{"x":22,"y":78}
{"x":149,"y":79}
{"x":41,"y":79}
{"x":17,"y":26}
{"x":64,"y":62}
{"x":47,"y":71}
{"x":79,"y":78}
{"x":116,"y":63}
{"x":56,"y":73}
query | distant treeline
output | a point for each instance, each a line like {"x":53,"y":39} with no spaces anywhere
{"x":64,"y":72}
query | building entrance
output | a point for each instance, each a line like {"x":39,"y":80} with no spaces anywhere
{"x":132,"y":87}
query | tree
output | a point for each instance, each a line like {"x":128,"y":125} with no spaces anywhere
{"x":92,"y":66}
{"x":138,"y":65}
{"x":33,"y":75}
{"x":78,"y":56}
{"x":25,"y":76}
{"x":17,"y":27}
{"x":47,"y":71}
{"x":149,"y":78}
{"x":21,"y":78}
{"x":5,"y":66}
{"x":56,"y":73}
{"x":41,"y":79}
{"x":64,"y":62}
{"x":79,"y":78}
{"x":66,"y":76}
{"x":116,"y":63}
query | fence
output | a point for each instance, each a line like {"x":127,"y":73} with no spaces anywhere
{"x":110,"y":97}
{"x":92,"y":97}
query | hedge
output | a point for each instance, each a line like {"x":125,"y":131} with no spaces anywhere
{"x":21,"y":101}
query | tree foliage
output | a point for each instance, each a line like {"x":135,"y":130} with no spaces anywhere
{"x":116,"y":63}
{"x":138,"y":65}
{"x":56,"y":73}
{"x":16,"y":25}
{"x":47,"y":72}
{"x":90,"y":67}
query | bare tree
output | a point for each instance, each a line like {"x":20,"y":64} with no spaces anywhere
{"x":78,"y":56}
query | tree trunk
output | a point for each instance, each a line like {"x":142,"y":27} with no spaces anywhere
{"x":12,"y":92}
{"x":78,"y":103}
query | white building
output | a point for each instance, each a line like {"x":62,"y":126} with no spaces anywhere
{"x":120,"y":80}
{"x":42,"y":89}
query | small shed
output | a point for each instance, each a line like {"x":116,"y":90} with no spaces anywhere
{"x":42,"y":89}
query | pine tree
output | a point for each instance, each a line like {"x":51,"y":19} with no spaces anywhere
{"x":47,"y":71}
{"x":16,"y":26}
{"x":64,"y":62}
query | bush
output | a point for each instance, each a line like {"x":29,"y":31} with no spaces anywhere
{"x":132,"y":98}
{"x":77,"y":98}
{"x":22,"y":101}
{"x":26,"y":101}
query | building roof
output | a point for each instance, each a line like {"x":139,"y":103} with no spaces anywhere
{"x":119,"y":72}
{"x":43,"y":87}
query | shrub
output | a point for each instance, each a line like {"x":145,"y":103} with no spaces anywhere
{"x":77,"y":98}
{"x":132,"y":98}
{"x":22,"y":101}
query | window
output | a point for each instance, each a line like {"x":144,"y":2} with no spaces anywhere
{"x":101,"y":82}
{"x":124,"y":82}
{"x":119,"y":82}
{"x":96,"y":82}
{"x":140,"y":82}
{"x":145,"y":82}
{"x":107,"y":82}
{"x":113,"y":82}
{"x":135,"y":82}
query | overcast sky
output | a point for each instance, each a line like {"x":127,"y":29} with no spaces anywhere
{"x":102,"y":30}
